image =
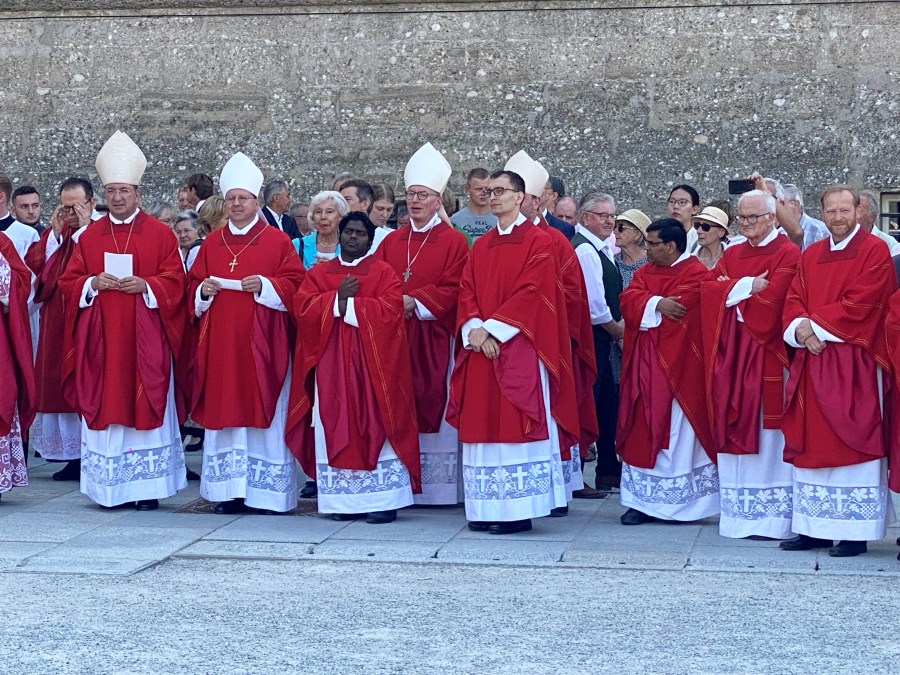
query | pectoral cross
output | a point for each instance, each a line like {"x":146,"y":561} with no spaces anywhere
{"x":233,"y":263}
{"x":406,"y":275}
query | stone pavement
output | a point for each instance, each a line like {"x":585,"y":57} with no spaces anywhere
{"x":51,"y":528}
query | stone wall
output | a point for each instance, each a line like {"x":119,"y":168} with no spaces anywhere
{"x":607,"y":94}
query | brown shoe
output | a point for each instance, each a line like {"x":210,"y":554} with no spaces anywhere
{"x":588,"y":492}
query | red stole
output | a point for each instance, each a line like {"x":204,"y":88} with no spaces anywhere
{"x":832,"y":416}
{"x":48,"y":364}
{"x":744,"y":361}
{"x":661,"y":364}
{"x":17,"y":390}
{"x":118,"y":353}
{"x":892,"y":403}
{"x":364,"y":378}
{"x":242,"y":348}
{"x":578,"y":318}
{"x":440,"y":255}
{"x":512,"y":278}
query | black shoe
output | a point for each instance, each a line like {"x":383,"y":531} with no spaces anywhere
{"x":635,"y":517}
{"x":511,"y":527}
{"x":898,"y":541}
{"x":192,"y":475}
{"x":559,"y":512}
{"x":348,"y":516}
{"x":848,"y":549}
{"x":804,"y":543}
{"x":264,"y":512}
{"x":229,"y":508}
{"x":309,"y":491}
{"x":71,"y":471}
{"x":479,"y":525}
{"x":147,"y":505}
{"x":587,"y":492}
{"x":37,"y":455}
{"x":381,"y":517}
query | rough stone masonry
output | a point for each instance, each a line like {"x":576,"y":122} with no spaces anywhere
{"x":627,"y":96}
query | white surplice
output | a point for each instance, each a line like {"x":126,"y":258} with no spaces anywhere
{"x":683,"y":484}
{"x":250,"y":463}
{"x":385,"y":488}
{"x":512,"y":481}
{"x":843,"y":502}
{"x":13,"y":472}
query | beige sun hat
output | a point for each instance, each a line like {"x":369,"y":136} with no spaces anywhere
{"x":713,"y":215}
{"x":637,"y":218}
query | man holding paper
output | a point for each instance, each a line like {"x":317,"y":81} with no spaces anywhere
{"x":241,"y":286}
{"x":125,"y":325}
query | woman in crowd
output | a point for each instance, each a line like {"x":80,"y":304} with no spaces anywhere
{"x":162,"y":211}
{"x":683,"y":204}
{"x":711,"y":225}
{"x":325,"y":212}
{"x":383,"y":207}
{"x":186,"y":231}
{"x":630,"y":233}
{"x":211,"y":217}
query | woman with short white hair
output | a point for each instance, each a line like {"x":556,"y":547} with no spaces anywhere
{"x":325,"y":212}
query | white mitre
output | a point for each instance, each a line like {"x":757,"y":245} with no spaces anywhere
{"x":429,"y":168}
{"x":120,"y":160}
{"x":531,"y":171}
{"x":241,"y":173}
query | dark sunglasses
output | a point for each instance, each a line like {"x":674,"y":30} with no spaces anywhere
{"x":706,"y":227}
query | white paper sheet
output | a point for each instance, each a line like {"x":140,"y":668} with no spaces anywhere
{"x":228,"y":284}
{"x":120,"y":265}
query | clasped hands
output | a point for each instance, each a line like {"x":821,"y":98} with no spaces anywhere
{"x":760,"y":283}
{"x":807,"y":337}
{"x":481,"y":341}
{"x":108,"y":282}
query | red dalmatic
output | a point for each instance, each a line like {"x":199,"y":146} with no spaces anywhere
{"x":437,"y":257}
{"x":745,"y":361}
{"x":118,"y":353}
{"x":512,"y":278}
{"x":661,"y":364}
{"x":363,"y":374}
{"x":892,"y":403}
{"x":833,"y":415}
{"x":16,"y":361}
{"x":242,"y":348}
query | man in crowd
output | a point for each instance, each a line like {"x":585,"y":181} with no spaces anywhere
{"x":199,"y":189}
{"x":125,"y":325}
{"x":428,"y":257}
{"x":668,"y":465}
{"x":277,"y":199}
{"x":813,"y":228}
{"x":352,"y":420}
{"x":21,"y":235}
{"x":359,"y":195}
{"x":509,"y":390}
{"x":241,"y":286}
{"x":869,"y":212}
{"x":567,"y":210}
{"x":26,"y":207}
{"x":553,"y":191}
{"x":834,"y":317}
{"x":56,"y":433}
{"x":475,"y":218}
{"x":300,"y":213}
{"x":745,"y":362}
{"x":592,"y":241}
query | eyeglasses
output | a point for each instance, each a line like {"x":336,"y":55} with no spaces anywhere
{"x":621,"y":227}
{"x":679,"y":202}
{"x":71,"y":209}
{"x":497,"y":192}
{"x":418,"y":195}
{"x":753,"y":218}
{"x":603,"y":216}
{"x":235,"y":199}
{"x":124,"y":191}
{"x":706,"y":227}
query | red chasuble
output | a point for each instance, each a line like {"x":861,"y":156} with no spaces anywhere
{"x":437,"y":257}
{"x":118,"y":352}
{"x":16,"y":369}
{"x":744,"y":361}
{"x":242,"y":348}
{"x":48,"y":364}
{"x":892,"y":335}
{"x":833,"y":416}
{"x":578,"y":319}
{"x":363,"y":374}
{"x":512,"y":278}
{"x":661,"y":364}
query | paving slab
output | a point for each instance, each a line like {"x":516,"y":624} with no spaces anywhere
{"x":13,"y":553}
{"x":54,"y":527}
{"x":766,"y":557}
{"x":302,"y":529}
{"x":93,"y":566}
{"x":114,"y":542}
{"x":249,"y":550}
{"x":410,"y":526}
{"x":382,"y":551}
{"x":652,"y":537}
{"x":499,"y":549}
{"x":709,"y":536}
{"x":167,"y":518}
{"x":625,"y":560}
{"x":880,"y":560}
{"x":565,"y":529}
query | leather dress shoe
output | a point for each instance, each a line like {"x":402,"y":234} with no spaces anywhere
{"x":71,"y":471}
{"x":381,"y":517}
{"x":147,"y":505}
{"x":229,"y":508}
{"x":480,"y":525}
{"x":309,"y":491}
{"x":511,"y":527}
{"x":588,"y":492}
{"x":848,"y":549}
{"x":192,"y":475}
{"x":348,"y":516}
{"x":559,"y":512}
{"x":804,"y":543}
{"x":635,"y":517}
